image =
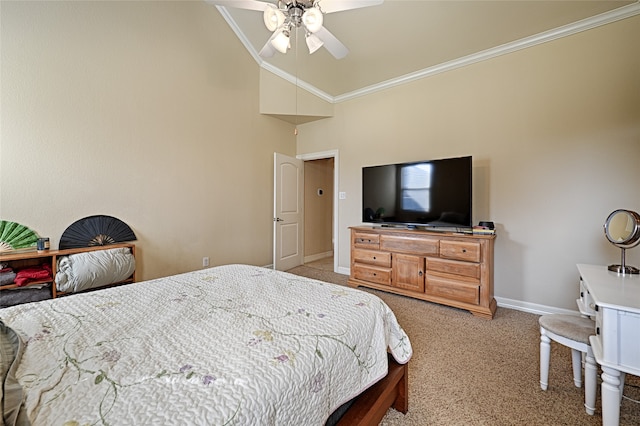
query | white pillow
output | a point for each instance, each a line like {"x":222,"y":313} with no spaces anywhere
{"x":92,"y":269}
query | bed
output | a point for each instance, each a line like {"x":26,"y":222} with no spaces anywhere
{"x":234,"y":345}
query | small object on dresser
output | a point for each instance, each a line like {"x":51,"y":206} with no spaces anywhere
{"x":483,"y":230}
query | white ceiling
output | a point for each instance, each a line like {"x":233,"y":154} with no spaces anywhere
{"x":402,"y":39}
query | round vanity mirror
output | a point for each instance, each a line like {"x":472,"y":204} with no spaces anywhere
{"x":622,"y":229}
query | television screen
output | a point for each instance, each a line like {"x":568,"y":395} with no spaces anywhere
{"x":427,"y":193}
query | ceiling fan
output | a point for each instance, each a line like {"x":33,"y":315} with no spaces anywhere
{"x":282,"y":17}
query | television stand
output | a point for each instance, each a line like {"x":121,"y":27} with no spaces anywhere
{"x":449,"y":268}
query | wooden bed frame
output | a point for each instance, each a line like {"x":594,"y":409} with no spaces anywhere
{"x":391,"y":392}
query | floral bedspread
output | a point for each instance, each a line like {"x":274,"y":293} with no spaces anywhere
{"x":231,"y":345}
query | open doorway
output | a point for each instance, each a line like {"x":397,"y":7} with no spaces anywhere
{"x":320,"y":210}
{"x":318,"y":213}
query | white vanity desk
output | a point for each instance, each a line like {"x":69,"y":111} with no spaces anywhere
{"x":615,"y":301}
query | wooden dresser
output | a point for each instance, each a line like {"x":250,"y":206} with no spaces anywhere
{"x":448,"y":268}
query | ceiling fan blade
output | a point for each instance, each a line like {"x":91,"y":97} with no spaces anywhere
{"x":268,"y":50}
{"x":241,"y":4}
{"x":330,"y":6}
{"x":332,"y":44}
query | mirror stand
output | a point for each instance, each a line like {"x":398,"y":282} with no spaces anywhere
{"x":623,"y":269}
{"x":622,"y":229}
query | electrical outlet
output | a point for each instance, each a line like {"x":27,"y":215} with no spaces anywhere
{"x":205,"y":262}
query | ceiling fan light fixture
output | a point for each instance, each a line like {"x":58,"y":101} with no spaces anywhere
{"x":313,"y":42}
{"x":312,"y":19}
{"x":281,"y":41}
{"x":273,"y":17}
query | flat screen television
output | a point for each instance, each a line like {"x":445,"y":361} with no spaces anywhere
{"x":430,"y":194}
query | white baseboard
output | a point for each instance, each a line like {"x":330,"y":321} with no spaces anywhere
{"x":314,"y":257}
{"x":518,"y":305}
{"x":344,"y":271}
{"x":532,"y":308}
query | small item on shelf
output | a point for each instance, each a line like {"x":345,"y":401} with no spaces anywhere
{"x":43,"y":244}
{"x":483,"y":230}
{"x":16,"y":296}
{"x":36,"y":273}
{"x":486,"y":224}
{"x":7,"y":276}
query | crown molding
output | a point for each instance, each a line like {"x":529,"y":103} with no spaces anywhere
{"x":524,"y":43}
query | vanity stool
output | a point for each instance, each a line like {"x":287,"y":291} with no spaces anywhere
{"x":571,"y":331}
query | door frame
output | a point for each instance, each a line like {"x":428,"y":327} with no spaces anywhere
{"x":321,"y":156}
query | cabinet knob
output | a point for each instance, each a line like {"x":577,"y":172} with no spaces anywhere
{"x":464,"y":250}
{"x":374,"y":258}
{"x":420,"y":273}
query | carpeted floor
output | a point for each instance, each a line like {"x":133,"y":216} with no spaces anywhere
{"x":470,"y":371}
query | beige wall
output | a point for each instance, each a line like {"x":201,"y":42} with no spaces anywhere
{"x":146,"y":111}
{"x":555,"y":135}
{"x":149,"y":111}
{"x":318,"y":209}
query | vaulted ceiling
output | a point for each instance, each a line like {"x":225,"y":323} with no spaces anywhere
{"x":404,"y":39}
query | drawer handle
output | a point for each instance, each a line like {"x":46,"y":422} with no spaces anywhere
{"x":464,"y":250}
{"x":374,"y":274}
{"x":374,"y":258}
{"x":598,"y":331}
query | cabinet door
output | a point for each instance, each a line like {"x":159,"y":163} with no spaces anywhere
{"x":408,"y":272}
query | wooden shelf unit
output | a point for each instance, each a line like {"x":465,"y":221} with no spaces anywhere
{"x":31,"y":258}
{"x":447,"y":268}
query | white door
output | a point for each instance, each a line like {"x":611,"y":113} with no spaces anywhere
{"x":288,"y":203}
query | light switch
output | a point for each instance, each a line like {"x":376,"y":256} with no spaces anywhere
{"x":343,"y":195}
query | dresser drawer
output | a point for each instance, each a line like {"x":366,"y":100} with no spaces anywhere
{"x":420,"y":246}
{"x":618,"y":333}
{"x":372,"y":257}
{"x":373,"y":274}
{"x":460,"y":250}
{"x":365,"y":240}
{"x":450,"y":289}
{"x":465,"y":269}
{"x":586,"y":304}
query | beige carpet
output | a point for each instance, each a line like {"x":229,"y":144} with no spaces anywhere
{"x":470,"y":371}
